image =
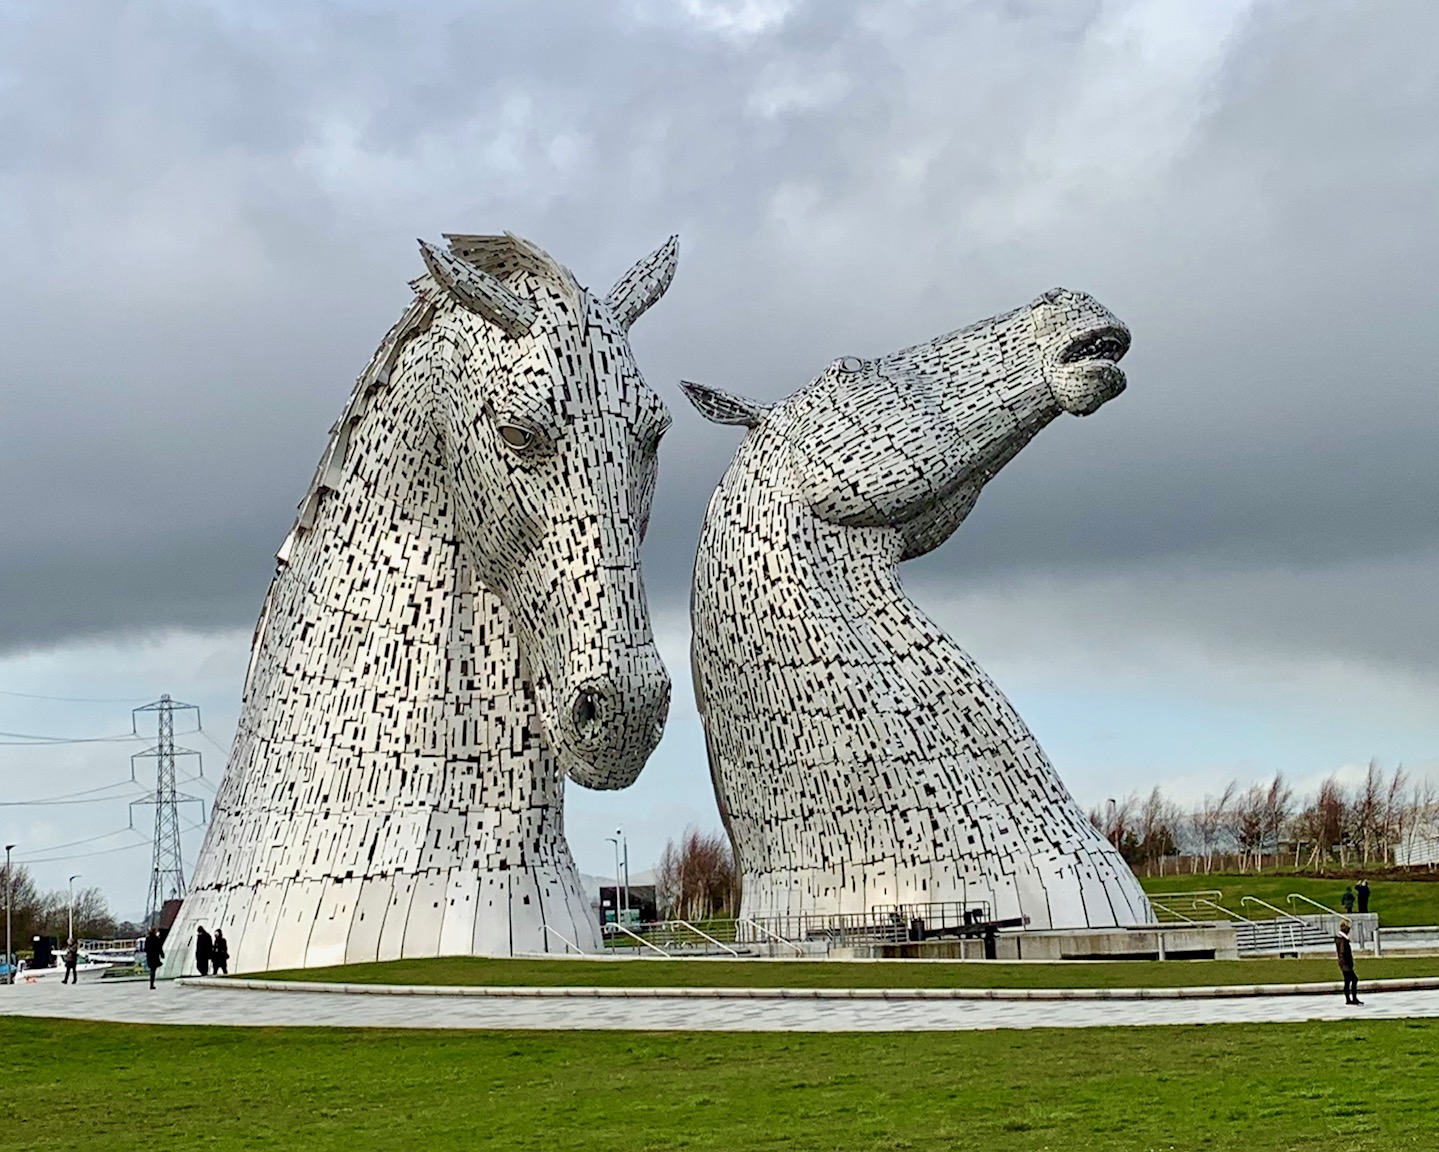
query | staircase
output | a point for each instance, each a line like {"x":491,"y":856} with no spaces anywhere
{"x":1277,"y":933}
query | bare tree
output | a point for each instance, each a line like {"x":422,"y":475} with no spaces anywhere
{"x":1156,"y":825}
{"x":1209,"y":823}
{"x":1395,"y":816}
{"x":696,"y":878}
{"x":1278,"y":806}
{"x":1250,"y":823}
{"x":39,"y":913}
{"x":1321,"y":824}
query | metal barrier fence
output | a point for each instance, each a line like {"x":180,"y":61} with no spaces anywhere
{"x":803,"y":934}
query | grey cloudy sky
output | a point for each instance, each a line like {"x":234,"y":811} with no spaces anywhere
{"x":208,"y":213}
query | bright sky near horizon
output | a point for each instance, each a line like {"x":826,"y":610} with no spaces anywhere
{"x":209,"y":209}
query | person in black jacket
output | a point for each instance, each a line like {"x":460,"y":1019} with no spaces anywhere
{"x":204,"y":949}
{"x":154,"y":953}
{"x":220,"y":954}
{"x":1362,"y":891}
{"x":1345,"y":953}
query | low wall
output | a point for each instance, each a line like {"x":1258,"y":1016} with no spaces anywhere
{"x":1416,"y":941}
{"x":1160,"y":942}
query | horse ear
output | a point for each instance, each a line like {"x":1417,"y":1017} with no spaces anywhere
{"x":722,"y":408}
{"x":477,"y":291}
{"x":645,"y":283}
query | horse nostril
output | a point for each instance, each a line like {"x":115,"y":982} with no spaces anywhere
{"x":587,"y":709}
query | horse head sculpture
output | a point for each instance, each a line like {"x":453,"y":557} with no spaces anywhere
{"x":550,"y":437}
{"x":458,"y":624}
{"x":859,"y":756}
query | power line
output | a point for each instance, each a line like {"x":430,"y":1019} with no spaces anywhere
{"x":67,"y":699}
{"x":13,"y":739}
{"x":71,"y":797}
{"x":103,"y":851}
{"x":214,"y":743}
{"x":80,"y":843}
{"x":87,"y":855}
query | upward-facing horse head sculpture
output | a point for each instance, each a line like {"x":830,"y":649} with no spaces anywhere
{"x":861,"y":758}
{"x":457,"y":624}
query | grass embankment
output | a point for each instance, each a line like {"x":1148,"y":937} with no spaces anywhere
{"x":476,"y":970}
{"x":1225,"y":1088}
{"x":1398,"y":902}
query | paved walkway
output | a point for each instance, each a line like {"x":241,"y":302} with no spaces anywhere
{"x":173,"y":1003}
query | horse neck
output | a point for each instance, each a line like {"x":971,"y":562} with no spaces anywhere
{"x":376,"y":631}
{"x":829,"y":593}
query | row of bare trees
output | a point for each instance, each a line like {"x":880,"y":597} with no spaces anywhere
{"x":696,"y":878}
{"x":34,"y":912}
{"x":1266,"y":822}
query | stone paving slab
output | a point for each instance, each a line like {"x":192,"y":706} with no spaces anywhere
{"x":174,"y":1003}
{"x":591,"y":992}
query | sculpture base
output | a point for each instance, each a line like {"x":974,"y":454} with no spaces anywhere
{"x":453,"y":912}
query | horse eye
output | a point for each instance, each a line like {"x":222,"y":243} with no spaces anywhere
{"x":516,"y":437}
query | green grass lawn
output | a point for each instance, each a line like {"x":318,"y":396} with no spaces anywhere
{"x":1398,"y":902}
{"x":478,"y":970}
{"x":1364,"y":1087}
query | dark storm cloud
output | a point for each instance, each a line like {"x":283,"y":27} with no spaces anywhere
{"x":208,"y":216}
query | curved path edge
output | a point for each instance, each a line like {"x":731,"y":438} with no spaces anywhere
{"x":501,"y":992}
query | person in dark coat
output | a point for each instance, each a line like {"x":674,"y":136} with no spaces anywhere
{"x":204,"y":949}
{"x":1348,"y":901}
{"x":220,"y":954}
{"x":72,"y":958}
{"x":154,"y":953}
{"x":1361,"y":890}
{"x":1345,"y":953}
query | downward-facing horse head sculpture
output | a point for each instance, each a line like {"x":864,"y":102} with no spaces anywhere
{"x":458,"y":623}
{"x":860,"y":758}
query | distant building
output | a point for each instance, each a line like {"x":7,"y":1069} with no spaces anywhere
{"x":1420,"y":846}
{"x":638,"y":900}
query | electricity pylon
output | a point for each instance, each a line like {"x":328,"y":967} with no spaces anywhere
{"x":167,"y":867}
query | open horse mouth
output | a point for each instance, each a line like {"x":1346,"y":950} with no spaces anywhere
{"x":1105,"y":344}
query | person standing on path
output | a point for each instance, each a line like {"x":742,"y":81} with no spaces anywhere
{"x":72,"y":958}
{"x":1345,"y":953}
{"x":220,"y":954}
{"x":1348,"y":901}
{"x":1362,"y":891}
{"x":154,"y":953}
{"x":204,"y":949}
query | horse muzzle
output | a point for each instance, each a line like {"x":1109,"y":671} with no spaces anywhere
{"x":613,"y":722}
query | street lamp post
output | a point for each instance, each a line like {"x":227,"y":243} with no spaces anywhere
{"x":615,"y":840}
{"x":625,"y":842}
{"x":71,"y":935}
{"x":9,"y":889}
{"x":622,"y":873}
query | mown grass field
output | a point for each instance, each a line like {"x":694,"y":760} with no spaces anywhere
{"x":1363,"y":1087}
{"x":1398,"y":902}
{"x":476,"y":970}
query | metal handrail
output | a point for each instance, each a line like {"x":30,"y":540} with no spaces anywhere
{"x":1293,"y":896}
{"x":772,"y":935}
{"x":711,"y":939}
{"x":641,"y":939}
{"x":1195,"y":895}
{"x":1177,"y":915}
{"x":1265,"y":904}
{"x":568,"y":943}
{"x":1226,"y":911}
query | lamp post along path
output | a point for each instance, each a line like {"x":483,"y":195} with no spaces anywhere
{"x":615,"y":840}
{"x":9,"y":889}
{"x":70,"y":935}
